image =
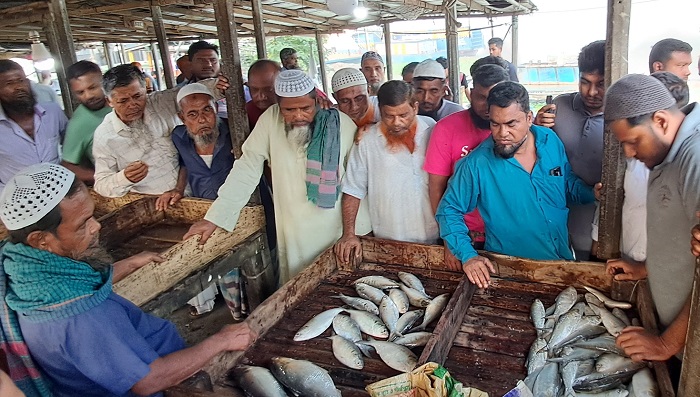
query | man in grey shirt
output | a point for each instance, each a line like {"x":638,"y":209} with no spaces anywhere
{"x":429,"y":85}
{"x":645,"y":119}
{"x":578,"y":122}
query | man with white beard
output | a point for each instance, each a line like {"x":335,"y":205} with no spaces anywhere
{"x":132,"y":147}
{"x":306,"y":148}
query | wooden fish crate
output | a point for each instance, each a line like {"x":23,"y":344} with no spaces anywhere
{"x":482,"y":337}
{"x":105,"y":205}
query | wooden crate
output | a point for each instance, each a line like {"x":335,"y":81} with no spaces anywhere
{"x":105,"y":205}
{"x":482,"y":337}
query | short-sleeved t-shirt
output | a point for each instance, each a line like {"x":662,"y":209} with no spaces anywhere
{"x":102,"y":352}
{"x":454,"y":137}
{"x":77,"y":146}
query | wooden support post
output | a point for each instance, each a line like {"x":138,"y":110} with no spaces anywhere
{"x":122,"y":54}
{"x":322,"y":60}
{"x":453,"y":50}
{"x":616,"y":49}
{"x":259,"y":29}
{"x":60,"y":40}
{"x":159,"y":27}
{"x":690,"y":372}
{"x":231,"y":68}
{"x":387,"y":47}
{"x":108,"y":54}
{"x":514,"y":38}
{"x":156,"y":66}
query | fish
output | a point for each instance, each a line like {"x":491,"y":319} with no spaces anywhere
{"x":359,"y":303}
{"x":317,"y":325}
{"x":258,"y":382}
{"x":613,"y":324}
{"x":564,"y":302}
{"x":405,"y":322}
{"x":607,"y":301}
{"x":610,"y":363}
{"x":609,"y":393}
{"x":346,"y":352}
{"x":345,"y":326}
{"x":619,"y":313}
{"x":598,"y":383}
{"x":395,"y":356}
{"x":537,"y":314}
{"x":604,"y":343}
{"x":433,"y":311}
{"x":414,"y":339}
{"x":380,"y":282}
{"x":568,"y":375}
{"x":587,"y":327}
{"x":583,"y":308}
{"x":531,"y":378}
{"x":585,"y":367}
{"x":575,"y":354}
{"x":563,"y":329}
{"x":592,"y":300}
{"x":370,"y":293}
{"x":303,"y":377}
{"x":415,"y":297}
{"x":389,"y":313}
{"x":411,"y":281}
{"x":550,"y":310}
{"x":548,"y":382}
{"x":644,"y":384}
{"x":400,"y":300}
{"x":537,"y":358}
{"x":369,"y":323}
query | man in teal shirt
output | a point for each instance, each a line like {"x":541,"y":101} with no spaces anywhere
{"x":521,"y":182}
{"x":85,"y":79}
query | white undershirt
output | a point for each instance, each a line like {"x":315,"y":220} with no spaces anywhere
{"x":207,"y":159}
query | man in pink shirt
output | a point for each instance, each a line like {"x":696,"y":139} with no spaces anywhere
{"x":453,"y":138}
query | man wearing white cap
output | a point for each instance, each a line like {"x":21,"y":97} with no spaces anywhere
{"x":85,"y":338}
{"x":393,"y":150}
{"x":350,"y":91}
{"x":306,"y":148}
{"x":429,"y":85}
{"x":372,"y":66}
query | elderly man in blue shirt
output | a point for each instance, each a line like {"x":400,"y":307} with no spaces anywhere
{"x":521,"y":182}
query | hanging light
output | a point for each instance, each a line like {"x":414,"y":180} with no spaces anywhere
{"x":40,"y":55}
{"x":360,"y":12}
{"x":342,"y":7}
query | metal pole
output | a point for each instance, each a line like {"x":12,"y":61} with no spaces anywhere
{"x":321,"y":60}
{"x":453,"y":50}
{"x":231,"y":68}
{"x":616,"y":51}
{"x":387,"y":46}
{"x":514,"y":38}
{"x":123,"y":54}
{"x":159,"y":27}
{"x":108,"y":54}
{"x":156,"y":66}
{"x":259,"y":29}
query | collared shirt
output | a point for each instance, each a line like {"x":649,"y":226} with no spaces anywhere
{"x":77,"y":147}
{"x":372,"y":163}
{"x":204,"y":180}
{"x":512,"y":71}
{"x":19,"y":151}
{"x":253,"y":113}
{"x":525,"y":213}
{"x":446,"y":109}
{"x":672,"y":200}
{"x":116,"y":145}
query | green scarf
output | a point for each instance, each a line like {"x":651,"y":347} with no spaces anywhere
{"x":44,"y":286}
{"x":323,"y":159}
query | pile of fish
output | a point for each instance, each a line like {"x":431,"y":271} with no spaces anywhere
{"x":300,"y":377}
{"x":382,"y":311}
{"x":575,"y":352}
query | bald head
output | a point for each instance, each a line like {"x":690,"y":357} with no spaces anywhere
{"x":261,"y":82}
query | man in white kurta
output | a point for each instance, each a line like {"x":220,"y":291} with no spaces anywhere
{"x":303,"y":229}
{"x":386,"y":170}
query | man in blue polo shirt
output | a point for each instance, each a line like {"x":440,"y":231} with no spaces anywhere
{"x":521,"y":182}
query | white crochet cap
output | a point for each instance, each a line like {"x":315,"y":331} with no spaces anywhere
{"x":429,"y":68}
{"x":293,"y":83}
{"x":191,"y":89}
{"x":347,"y":77}
{"x":32,"y":193}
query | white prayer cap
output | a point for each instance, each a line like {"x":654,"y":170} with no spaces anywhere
{"x":293,"y":84}
{"x":430,"y":69}
{"x":32,"y":193}
{"x":347,"y":77}
{"x":193,"y":88}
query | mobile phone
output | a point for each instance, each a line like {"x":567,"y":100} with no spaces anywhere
{"x":549,"y":101}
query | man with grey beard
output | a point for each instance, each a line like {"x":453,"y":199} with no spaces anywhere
{"x":30,"y":133}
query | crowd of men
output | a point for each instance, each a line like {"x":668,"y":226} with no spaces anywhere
{"x":397,"y":160}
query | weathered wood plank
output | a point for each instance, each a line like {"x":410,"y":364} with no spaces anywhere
{"x":690,"y":373}
{"x":105,"y":205}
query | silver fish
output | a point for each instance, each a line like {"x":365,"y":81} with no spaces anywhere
{"x":317,"y":325}
{"x":537,"y":314}
{"x":258,"y":382}
{"x":346,"y":352}
{"x":531,"y":378}
{"x":395,"y":356}
{"x":366,"y":350}
{"x":563,"y":329}
{"x":303,"y":377}
{"x":609,"y":393}
{"x":415,"y":297}
{"x":598,"y":383}
{"x":619,"y":313}
{"x":568,"y":375}
{"x":550,"y":310}
{"x":569,"y":353}
{"x":433,"y":311}
{"x":400,"y":300}
{"x":585,"y":367}
{"x":644,"y":384}
{"x":593,"y":300}
{"x":610,"y":363}
{"x":537,"y":358}
{"x":389,"y":313}
{"x":405,"y":322}
{"x":359,"y":303}
{"x":369,"y":323}
{"x":613,"y":324}
{"x":583,"y":308}
{"x":346,"y":327}
{"x":380,"y":282}
{"x":411,"y":281}
{"x":607,"y":301}
{"x":604,"y":343}
{"x":565,"y":301}
{"x":369,"y":292}
{"x":414,"y":339}
{"x":548,"y":383}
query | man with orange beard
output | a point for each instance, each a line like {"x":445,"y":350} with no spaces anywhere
{"x":394,"y":149}
{"x":350,"y":91}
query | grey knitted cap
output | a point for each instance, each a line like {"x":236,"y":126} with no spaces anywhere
{"x":634,"y":95}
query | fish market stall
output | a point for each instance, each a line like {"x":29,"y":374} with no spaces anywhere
{"x":482,"y":336}
{"x":105,"y":205}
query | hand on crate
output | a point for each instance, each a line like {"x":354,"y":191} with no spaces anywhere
{"x":640,"y":345}
{"x":171,"y":197}
{"x":626,"y":270}
{"x":477,"y":271}
{"x":127,"y":266}
{"x":237,"y":336}
{"x":695,"y":240}
{"x":451,"y":261}
{"x":203,"y":228}
{"x":344,"y":248}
